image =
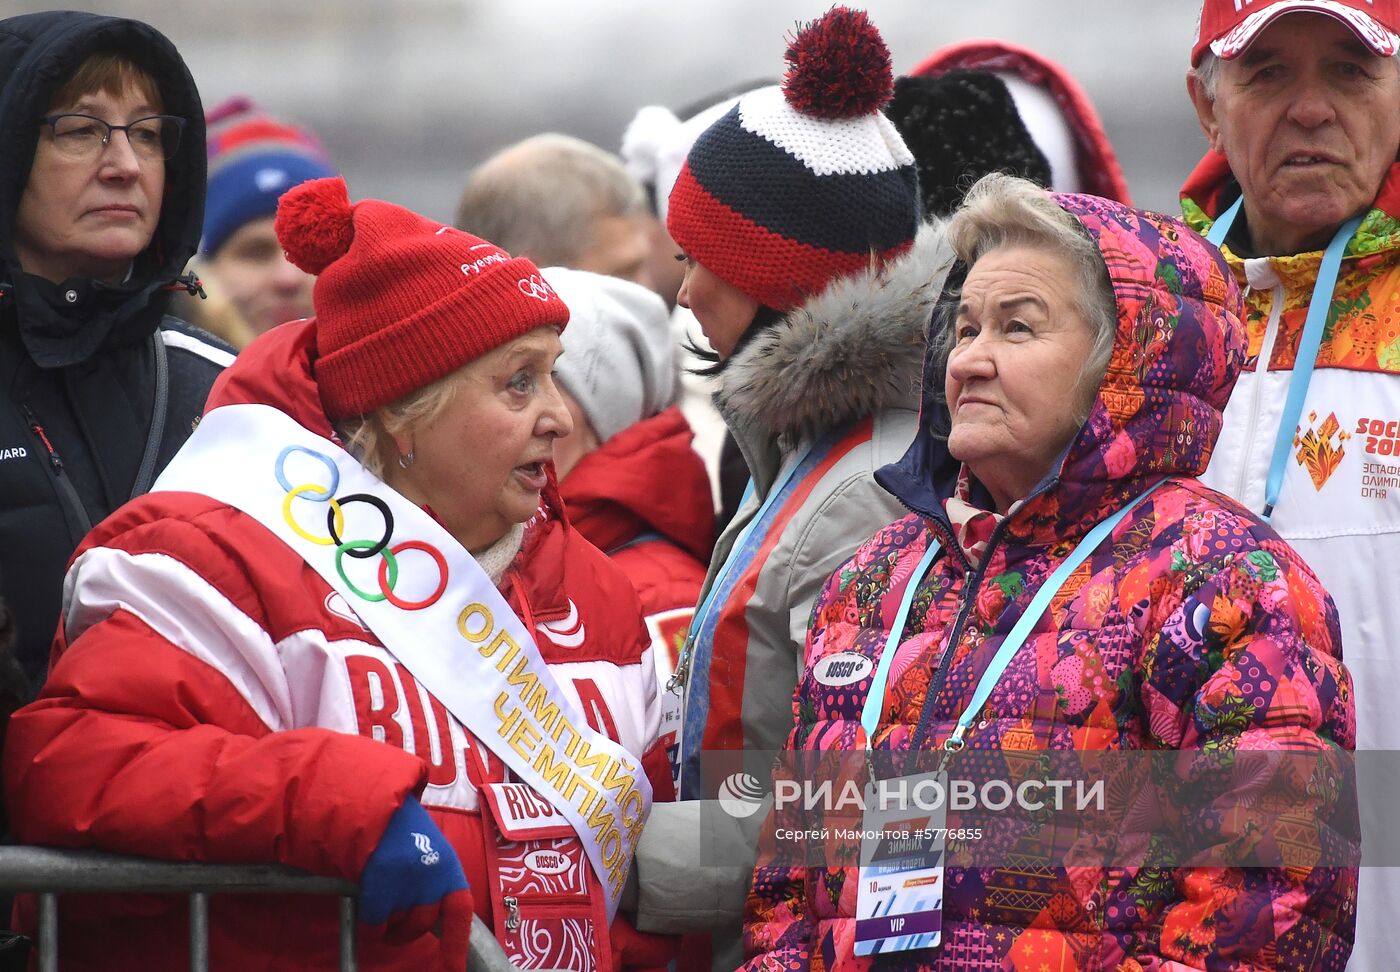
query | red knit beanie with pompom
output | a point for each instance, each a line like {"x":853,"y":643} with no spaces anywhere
{"x":402,"y":300}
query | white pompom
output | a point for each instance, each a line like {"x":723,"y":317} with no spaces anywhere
{"x":653,"y":128}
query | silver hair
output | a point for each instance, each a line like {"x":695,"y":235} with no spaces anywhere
{"x":540,"y":198}
{"x":1003,"y":210}
{"x":1207,"y":74}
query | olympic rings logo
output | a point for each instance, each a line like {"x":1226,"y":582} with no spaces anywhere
{"x":388,"y":575}
{"x":537,"y":287}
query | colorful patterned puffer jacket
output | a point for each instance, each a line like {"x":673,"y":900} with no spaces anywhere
{"x":1192,"y":627}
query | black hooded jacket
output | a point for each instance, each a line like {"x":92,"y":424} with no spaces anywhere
{"x":98,"y":388}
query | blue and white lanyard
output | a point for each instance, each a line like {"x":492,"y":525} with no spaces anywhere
{"x":1308,"y":345}
{"x":722,"y":586}
{"x":875,"y":700}
{"x":702,"y":626}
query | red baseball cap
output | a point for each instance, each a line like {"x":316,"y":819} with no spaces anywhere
{"x":1230,"y":26}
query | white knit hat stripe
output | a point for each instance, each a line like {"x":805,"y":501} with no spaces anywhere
{"x":867,"y":144}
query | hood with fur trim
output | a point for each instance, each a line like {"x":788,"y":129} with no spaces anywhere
{"x":848,"y":352}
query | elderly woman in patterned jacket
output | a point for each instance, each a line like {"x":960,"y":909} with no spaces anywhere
{"x":1064,"y":582}
{"x":352,"y":631}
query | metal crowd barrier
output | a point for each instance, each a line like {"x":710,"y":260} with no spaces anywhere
{"x":48,"y":872}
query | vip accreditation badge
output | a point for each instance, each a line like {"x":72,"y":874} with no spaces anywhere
{"x":899,"y":904}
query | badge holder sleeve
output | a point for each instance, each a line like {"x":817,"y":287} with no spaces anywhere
{"x":547,"y":910}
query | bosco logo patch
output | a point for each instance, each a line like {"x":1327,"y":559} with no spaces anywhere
{"x":336,"y":604}
{"x":567,"y":632}
{"x":425,"y":848}
{"x":844,"y":668}
{"x":547,"y":862}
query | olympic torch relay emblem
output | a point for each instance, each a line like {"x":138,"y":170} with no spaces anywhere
{"x":1320,"y":449}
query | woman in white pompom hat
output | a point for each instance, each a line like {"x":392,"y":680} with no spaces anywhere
{"x":813,"y":279}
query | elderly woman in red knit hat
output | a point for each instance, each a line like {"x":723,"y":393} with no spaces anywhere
{"x":352,"y":632}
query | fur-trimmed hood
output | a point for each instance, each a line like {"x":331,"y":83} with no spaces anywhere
{"x":848,"y":352}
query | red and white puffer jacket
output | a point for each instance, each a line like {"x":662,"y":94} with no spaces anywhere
{"x":211,"y":698}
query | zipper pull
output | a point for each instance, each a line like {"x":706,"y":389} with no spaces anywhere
{"x":38,"y":430}
{"x":512,"y":904}
{"x":676,"y":682}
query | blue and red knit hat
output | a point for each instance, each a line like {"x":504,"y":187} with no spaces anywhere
{"x":804,"y":183}
{"x":253,"y":159}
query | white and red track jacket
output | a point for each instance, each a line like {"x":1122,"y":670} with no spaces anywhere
{"x":211,"y":698}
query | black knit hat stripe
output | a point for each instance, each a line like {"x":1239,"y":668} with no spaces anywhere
{"x":847,"y":212}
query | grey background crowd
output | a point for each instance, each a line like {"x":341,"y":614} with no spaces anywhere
{"x":409,"y":94}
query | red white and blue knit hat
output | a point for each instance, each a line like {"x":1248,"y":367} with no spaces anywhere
{"x":805,"y":183}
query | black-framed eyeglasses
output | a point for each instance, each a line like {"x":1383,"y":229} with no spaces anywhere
{"x":84,"y":137}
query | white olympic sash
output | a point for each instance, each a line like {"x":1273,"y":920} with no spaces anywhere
{"x":512,"y":705}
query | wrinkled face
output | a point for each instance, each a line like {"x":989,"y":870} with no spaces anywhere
{"x":252,"y":271}
{"x":724,"y":311}
{"x":90,"y":217}
{"x":1309,"y":120}
{"x":1013,"y":381}
{"x":480,"y":463}
{"x":620,"y":248}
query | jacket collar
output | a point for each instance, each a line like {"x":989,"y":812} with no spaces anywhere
{"x":1211,"y":188}
{"x":848,"y":352}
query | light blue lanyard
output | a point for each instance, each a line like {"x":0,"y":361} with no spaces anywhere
{"x":1221,"y":229}
{"x":722,"y":586}
{"x":1308,"y":346}
{"x":692,"y":668}
{"x":874,"y":702}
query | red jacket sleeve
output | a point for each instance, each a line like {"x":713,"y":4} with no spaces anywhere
{"x":139,"y":745}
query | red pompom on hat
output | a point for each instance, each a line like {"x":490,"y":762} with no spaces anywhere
{"x":839,"y":67}
{"x":806,"y":183}
{"x":315,"y":225}
{"x":402,"y":300}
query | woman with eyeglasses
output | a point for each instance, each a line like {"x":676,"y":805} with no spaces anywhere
{"x":102,"y":164}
